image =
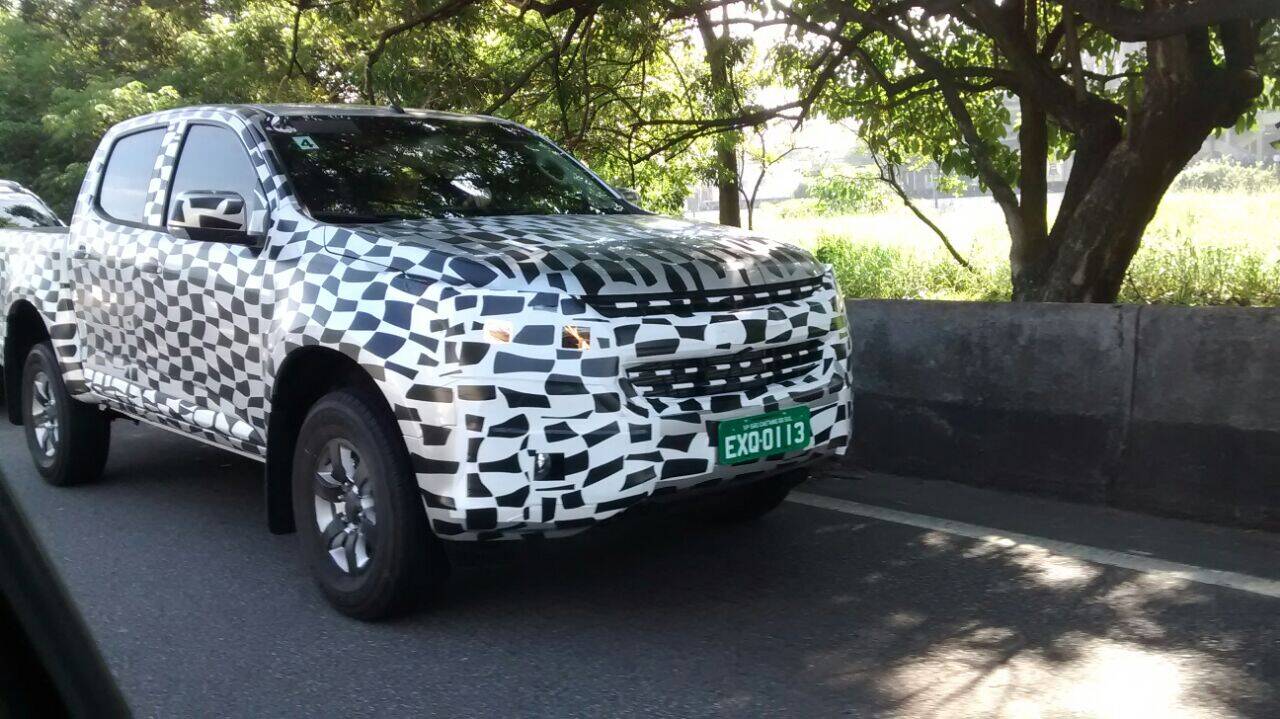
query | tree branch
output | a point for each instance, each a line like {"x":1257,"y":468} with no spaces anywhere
{"x":1131,"y":25}
{"x":520,"y":82}
{"x":888,"y":175}
{"x":1000,"y":188}
{"x":293,"y":48}
{"x":1073,"y":107}
{"x":444,"y":10}
{"x":449,"y":9}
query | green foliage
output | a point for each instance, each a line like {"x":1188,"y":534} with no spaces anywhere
{"x":31,"y":66}
{"x":884,"y":271}
{"x":1182,"y":274}
{"x":846,"y":190}
{"x":1202,"y":248}
{"x":1227,"y":175}
{"x":616,"y":86}
{"x":911,"y":125}
{"x":77,"y":119}
{"x":952,"y":185}
{"x":798,"y":207}
{"x":1187,"y":273}
{"x":68,"y":70}
{"x":949,"y":83}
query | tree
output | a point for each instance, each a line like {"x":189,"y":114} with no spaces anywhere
{"x":1132,"y":116}
{"x":1130,"y":93}
{"x":580,"y":71}
{"x":719,"y":48}
{"x":1128,"y":88}
{"x":757,"y":152}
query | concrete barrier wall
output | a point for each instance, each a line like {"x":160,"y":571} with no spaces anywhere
{"x":1169,"y":410}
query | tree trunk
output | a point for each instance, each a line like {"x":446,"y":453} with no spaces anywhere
{"x":1033,"y":150}
{"x":727,"y":179}
{"x":726,"y":143}
{"x":1118,"y":181}
{"x":1030,"y":236}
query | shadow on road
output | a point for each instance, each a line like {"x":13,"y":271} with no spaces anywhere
{"x":807,"y":613}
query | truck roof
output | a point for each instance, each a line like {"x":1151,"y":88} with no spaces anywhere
{"x":299,"y":110}
{"x":271,"y":110}
{"x":319,"y":110}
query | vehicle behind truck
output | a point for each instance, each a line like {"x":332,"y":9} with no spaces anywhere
{"x":22,"y":208}
{"x":428,"y":327}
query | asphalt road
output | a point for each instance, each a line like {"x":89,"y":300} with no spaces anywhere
{"x":808,"y":613}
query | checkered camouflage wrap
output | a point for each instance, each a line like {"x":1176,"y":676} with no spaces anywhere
{"x":462,"y":324}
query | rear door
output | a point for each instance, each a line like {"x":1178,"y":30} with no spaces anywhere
{"x":104,"y":260}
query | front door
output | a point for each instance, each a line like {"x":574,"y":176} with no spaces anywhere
{"x":203,"y":302}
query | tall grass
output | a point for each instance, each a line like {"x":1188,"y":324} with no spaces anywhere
{"x":1188,"y":273}
{"x":1202,"y":248}
{"x":878,"y":270}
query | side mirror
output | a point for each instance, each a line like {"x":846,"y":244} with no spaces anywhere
{"x":629,"y":194}
{"x":215,"y":216}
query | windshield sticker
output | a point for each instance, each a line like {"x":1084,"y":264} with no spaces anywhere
{"x":304,"y":142}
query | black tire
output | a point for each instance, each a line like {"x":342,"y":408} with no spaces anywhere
{"x":68,"y":439}
{"x":750,"y":502}
{"x":348,"y":432}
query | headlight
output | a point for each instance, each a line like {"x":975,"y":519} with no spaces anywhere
{"x":575,"y":337}
{"x":498,"y":331}
{"x":572,"y":337}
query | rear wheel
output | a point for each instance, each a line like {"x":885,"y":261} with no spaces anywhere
{"x":360,"y":518}
{"x":753,"y":501}
{"x":68,"y":439}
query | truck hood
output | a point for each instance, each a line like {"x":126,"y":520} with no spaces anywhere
{"x":584,"y":255}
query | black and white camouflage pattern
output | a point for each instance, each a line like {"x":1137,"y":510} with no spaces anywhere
{"x":191,"y":336}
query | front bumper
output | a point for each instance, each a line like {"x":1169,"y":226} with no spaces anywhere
{"x":602,"y":464}
{"x":489,"y":410}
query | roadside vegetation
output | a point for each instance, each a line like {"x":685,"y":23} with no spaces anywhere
{"x":1214,"y":241}
{"x":663,"y":97}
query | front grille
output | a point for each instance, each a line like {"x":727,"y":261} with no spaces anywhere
{"x":740,"y":298}
{"x":740,"y":372}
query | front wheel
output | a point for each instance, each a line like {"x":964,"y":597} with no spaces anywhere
{"x":360,"y":518}
{"x":68,"y":439}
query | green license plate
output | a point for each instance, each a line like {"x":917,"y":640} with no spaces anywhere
{"x":742,"y":440}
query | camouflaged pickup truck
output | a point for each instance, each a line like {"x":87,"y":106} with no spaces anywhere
{"x":429,"y":327}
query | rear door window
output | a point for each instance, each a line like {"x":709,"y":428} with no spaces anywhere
{"x":123,"y":195}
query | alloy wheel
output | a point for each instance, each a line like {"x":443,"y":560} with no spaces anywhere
{"x":45,"y":422}
{"x":344,"y":504}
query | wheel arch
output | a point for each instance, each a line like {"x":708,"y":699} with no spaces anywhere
{"x":305,"y":375}
{"x":24,"y":329}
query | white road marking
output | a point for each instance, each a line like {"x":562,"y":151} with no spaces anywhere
{"x":1124,"y":560}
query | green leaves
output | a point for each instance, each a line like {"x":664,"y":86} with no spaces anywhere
{"x":623,"y":84}
{"x":847,"y":190}
{"x":70,"y":70}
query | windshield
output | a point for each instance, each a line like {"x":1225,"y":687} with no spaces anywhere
{"x":24,"y":211}
{"x":374,"y":169}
